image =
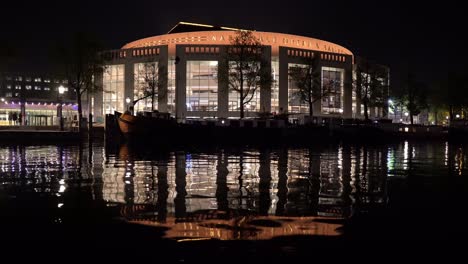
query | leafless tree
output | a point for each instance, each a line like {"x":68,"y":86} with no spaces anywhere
{"x":306,"y":77}
{"x":245,"y":73}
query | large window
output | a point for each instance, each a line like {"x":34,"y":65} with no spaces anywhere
{"x":332,"y":86}
{"x":275,"y":85}
{"x":113,"y":89}
{"x":295,"y":102}
{"x":171,"y":96}
{"x":146,"y":76}
{"x":251,"y":92}
{"x":202,"y":86}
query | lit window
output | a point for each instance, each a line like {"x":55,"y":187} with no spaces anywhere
{"x":8,"y":78}
{"x":18,"y":78}
{"x":37,"y":88}
{"x":17,"y":87}
{"x":16,"y":94}
{"x":28,"y":79}
{"x":8,"y":94}
{"x":8,"y":86}
{"x":38,"y":79}
{"x":56,"y":81}
{"x":28,"y":87}
{"x":46,"y":89}
{"x":47,"y":80}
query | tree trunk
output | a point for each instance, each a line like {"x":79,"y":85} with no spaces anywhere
{"x":411,"y":118}
{"x":152,"y":98}
{"x":80,"y":111}
{"x":436,"y":121}
{"x":241,"y":91}
{"x":366,"y":115}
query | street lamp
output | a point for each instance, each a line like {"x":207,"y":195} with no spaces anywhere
{"x":3,"y":99}
{"x":61,"y":90}
{"x":127,"y":100}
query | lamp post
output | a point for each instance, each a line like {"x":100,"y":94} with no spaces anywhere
{"x":61,"y":90}
{"x":127,"y":100}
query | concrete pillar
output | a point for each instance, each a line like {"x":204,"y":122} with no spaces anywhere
{"x":129,"y":81}
{"x":283,"y":80}
{"x":163,"y":78}
{"x":317,"y":105}
{"x":181,"y":76}
{"x":265,"y":90}
{"x":347,"y":94}
{"x":223,"y":85}
{"x":23,"y":112}
{"x":98,"y":97}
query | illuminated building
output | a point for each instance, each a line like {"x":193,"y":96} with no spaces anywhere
{"x":35,"y":97}
{"x":189,"y":57}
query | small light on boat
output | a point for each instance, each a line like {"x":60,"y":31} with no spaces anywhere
{"x":457,"y":116}
{"x":406,"y":114}
{"x":406,"y":129}
{"x":60,"y":205}
{"x":341,"y":111}
{"x":222,"y":121}
{"x":447,"y":117}
{"x":401,"y":120}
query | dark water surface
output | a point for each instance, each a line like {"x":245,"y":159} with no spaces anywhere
{"x":245,"y":201}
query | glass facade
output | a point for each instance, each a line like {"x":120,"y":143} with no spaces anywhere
{"x":275,"y":85}
{"x":146,"y":75}
{"x":332,"y":87}
{"x":202,"y":86}
{"x":113,"y":89}
{"x":171,"y":96}
{"x":295,"y":102}
{"x":253,"y":98}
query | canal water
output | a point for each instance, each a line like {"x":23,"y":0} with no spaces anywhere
{"x":116,"y":196}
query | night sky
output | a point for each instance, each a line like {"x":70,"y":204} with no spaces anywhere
{"x":389,"y":32}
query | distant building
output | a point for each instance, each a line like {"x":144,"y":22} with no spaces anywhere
{"x":33,"y":99}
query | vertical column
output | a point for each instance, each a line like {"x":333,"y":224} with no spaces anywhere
{"x":181,"y":76}
{"x":265,"y":89}
{"x":98,"y":98}
{"x":223,"y":85}
{"x":317,"y":105}
{"x":23,"y":112}
{"x":129,"y":81}
{"x":163,"y":78}
{"x":347,"y":94}
{"x":283,"y":80}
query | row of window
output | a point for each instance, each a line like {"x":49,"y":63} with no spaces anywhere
{"x":37,"y":79}
{"x":202,"y":89}
{"x":30,"y":87}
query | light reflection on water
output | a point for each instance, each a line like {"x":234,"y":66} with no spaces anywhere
{"x":242,"y":193}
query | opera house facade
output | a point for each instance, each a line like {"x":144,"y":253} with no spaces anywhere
{"x":189,"y":59}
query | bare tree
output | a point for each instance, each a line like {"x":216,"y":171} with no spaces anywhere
{"x":307,"y":80}
{"x":148,"y":83}
{"x":245,"y":73}
{"x":80,"y":62}
{"x":371,"y":86}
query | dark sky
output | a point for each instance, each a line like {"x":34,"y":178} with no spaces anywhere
{"x":389,"y":32}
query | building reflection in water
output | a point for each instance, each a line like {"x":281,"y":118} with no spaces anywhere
{"x":237,"y":193}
